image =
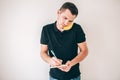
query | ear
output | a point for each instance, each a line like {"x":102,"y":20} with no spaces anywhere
{"x":58,"y":12}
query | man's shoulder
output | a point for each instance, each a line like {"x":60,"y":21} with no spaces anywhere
{"x":48,"y":26}
{"x":76,"y":25}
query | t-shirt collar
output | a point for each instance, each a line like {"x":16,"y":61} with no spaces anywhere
{"x":55,"y":27}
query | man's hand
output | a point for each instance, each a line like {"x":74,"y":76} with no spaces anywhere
{"x":55,"y":62}
{"x":66,"y":67}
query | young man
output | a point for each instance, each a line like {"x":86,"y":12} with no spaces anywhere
{"x":60,"y":42}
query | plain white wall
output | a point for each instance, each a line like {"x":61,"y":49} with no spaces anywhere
{"x":21,"y":22}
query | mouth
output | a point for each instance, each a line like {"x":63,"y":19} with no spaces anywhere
{"x":64,"y":26}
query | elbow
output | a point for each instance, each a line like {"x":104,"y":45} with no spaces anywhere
{"x":42,"y":54}
{"x":86,"y":52}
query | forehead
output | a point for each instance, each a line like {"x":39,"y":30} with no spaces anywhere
{"x":66,"y":13}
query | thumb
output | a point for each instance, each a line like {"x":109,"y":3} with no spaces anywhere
{"x":68,"y":63}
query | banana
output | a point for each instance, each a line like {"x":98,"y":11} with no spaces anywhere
{"x":68,"y":27}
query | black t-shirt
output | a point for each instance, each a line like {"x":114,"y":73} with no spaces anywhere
{"x":64,"y":45}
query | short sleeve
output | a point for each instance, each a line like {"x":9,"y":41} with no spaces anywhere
{"x":80,"y":35}
{"x":44,"y":38}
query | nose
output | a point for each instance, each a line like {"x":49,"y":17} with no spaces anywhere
{"x":66,"y":22}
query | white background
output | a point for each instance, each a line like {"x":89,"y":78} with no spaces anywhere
{"x":21,"y":22}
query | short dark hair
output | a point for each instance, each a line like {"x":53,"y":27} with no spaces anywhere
{"x":71,"y":6}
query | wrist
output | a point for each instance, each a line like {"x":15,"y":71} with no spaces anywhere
{"x":69,"y":63}
{"x":72,"y":63}
{"x":49,"y":60}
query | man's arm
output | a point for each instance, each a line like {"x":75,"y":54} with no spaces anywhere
{"x":81,"y":55}
{"x":44,"y":53}
{"x":50,"y":60}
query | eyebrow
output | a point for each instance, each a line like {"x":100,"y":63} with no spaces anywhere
{"x":70,"y":20}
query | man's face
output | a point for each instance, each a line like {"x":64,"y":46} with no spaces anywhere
{"x":65,"y":18}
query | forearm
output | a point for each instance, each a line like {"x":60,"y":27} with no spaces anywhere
{"x":45,"y":57}
{"x":81,"y":56}
{"x":52,"y":61}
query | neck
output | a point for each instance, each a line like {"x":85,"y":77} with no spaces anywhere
{"x":59,"y":27}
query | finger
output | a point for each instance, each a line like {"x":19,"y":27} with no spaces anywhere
{"x":61,"y":69}
{"x":61,"y":60}
{"x":52,"y":62}
{"x":58,"y":61}
{"x":64,"y":69}
{"x":68,"y":63}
